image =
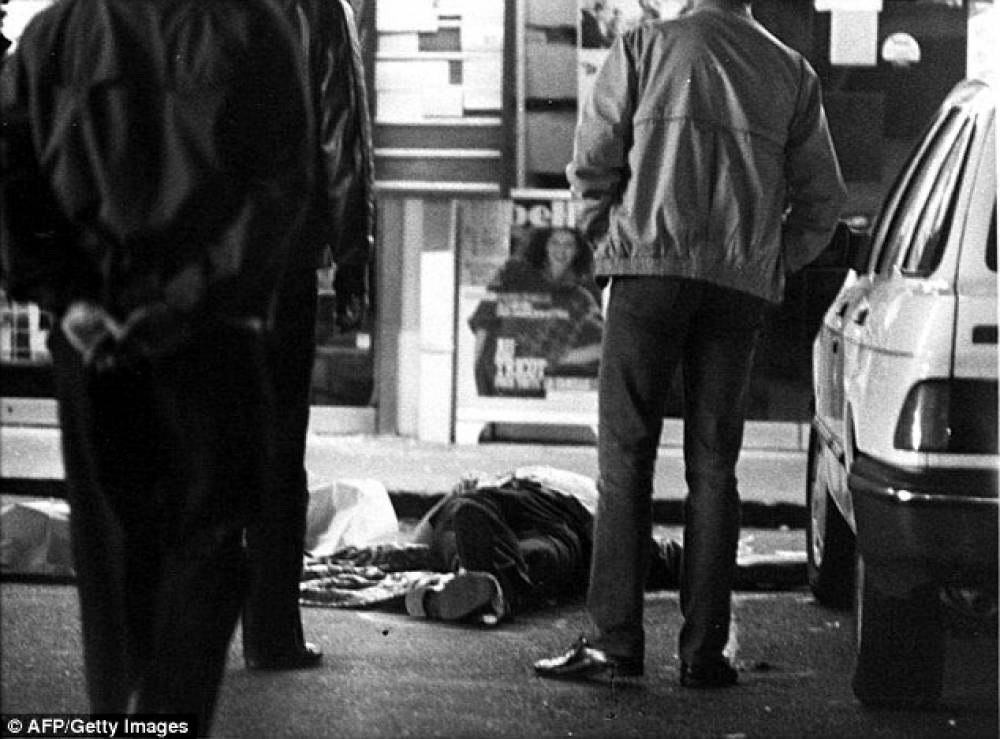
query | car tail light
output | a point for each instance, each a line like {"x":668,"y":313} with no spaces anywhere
{"x":957,"y":416}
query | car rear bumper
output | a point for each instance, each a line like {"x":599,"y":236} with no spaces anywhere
{"x":940,"y":524}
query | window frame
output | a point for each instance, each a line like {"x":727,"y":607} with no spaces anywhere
{"x":895,"y":231}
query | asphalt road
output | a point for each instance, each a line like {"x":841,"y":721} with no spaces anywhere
{"x":388,"y":675}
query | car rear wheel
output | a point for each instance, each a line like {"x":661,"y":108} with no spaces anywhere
{"x":900,"y":645}
{"x":829,"y":540}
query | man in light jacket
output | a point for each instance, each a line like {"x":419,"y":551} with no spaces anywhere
{"x":708,"y":175}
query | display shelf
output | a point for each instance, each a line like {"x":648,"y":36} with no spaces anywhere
{"x":439,"y":76}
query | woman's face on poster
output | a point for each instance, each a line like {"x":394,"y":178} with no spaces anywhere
{"x":561,"y":251}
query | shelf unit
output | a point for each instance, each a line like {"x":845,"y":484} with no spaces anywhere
{"x":440,"y":85}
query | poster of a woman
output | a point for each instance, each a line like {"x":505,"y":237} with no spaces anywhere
{"x":540,"y":319}
{"x":528,"y":319}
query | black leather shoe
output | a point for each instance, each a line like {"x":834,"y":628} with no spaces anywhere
{"x":716,"y":675}
{"x":308,"y":656}
{"x":583,"y":661}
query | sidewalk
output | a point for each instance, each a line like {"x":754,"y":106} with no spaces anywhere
{"x":772,"y":483}
{"x":416,"y":474}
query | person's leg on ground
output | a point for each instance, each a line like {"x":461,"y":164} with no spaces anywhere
{"x":484,"y":542}
{"x":491,"y":577}
{"x":553,"y":532}
{"x":717,"y":364}
{"x":556,"y":565}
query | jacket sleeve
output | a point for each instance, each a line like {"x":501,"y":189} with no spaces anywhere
{"x":38,"y":262}
{"x":346,"y":184}
{"x":816,"y":191}
{"x":599,"y":170}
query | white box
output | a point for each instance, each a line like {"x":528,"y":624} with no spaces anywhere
{"x":854,"y":38}
{"x":411,"y":74}
{"x":402,"y":42}
{"x":406,"y":15}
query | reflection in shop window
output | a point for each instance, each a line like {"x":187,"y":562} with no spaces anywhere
{"x":24,"y":330}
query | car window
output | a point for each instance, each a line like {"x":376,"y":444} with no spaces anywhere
{"x":991,"y":241}
{"x":934,"y":212}
{"x":898,"y":222}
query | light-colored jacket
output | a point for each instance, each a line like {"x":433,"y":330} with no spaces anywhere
{"x":703,"y":152}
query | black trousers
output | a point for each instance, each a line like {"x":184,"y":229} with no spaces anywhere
{"x":164,"y":466}
{"x":653,"y":325}
{"x":272,"y":624}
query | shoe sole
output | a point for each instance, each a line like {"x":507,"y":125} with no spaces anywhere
{"x":468,"y":592}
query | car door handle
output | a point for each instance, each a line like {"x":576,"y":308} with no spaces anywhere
{"x":861,"y":316}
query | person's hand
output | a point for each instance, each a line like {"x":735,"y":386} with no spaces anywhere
{"x":92,"y":332}
{"x":350,"y":287}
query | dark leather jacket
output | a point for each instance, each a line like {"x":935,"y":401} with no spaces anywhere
{"x":341,"y":215}
{"x":155,"y":155}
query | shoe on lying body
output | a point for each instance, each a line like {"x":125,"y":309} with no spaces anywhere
{"x":459,"y":595}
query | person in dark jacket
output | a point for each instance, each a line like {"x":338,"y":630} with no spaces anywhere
{"x":339,"y":222}
{"x":707,"y":173}
{"x":157,"y":161}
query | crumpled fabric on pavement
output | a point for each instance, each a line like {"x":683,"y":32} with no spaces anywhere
{"x":376,"y":576}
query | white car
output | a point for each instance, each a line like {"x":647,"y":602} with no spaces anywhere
{"x":903,"y":464}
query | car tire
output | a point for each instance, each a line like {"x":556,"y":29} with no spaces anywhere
{"x":900,"y":645}
{"x":829,"y":540}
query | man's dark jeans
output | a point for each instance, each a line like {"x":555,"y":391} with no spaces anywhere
{"x":654,"y":324}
